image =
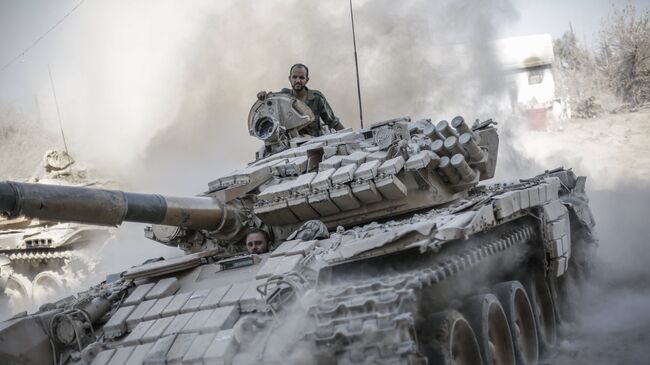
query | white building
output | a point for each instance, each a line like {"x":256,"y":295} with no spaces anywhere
{"x":529,"y":61}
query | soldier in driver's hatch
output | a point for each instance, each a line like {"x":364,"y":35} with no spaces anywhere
{"x":258,"y":241}
{"x":298,"y":77}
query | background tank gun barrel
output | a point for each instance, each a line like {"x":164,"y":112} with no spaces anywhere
{"x":112,"y":207}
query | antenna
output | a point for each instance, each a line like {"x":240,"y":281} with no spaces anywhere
{"x":356,"y":65}
{"x":58,"y":113}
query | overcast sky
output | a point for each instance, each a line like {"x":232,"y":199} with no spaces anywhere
{"x":554,"y":16}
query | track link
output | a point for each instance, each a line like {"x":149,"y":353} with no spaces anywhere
{"x":39,"y":255}
{"x":373,"y":321}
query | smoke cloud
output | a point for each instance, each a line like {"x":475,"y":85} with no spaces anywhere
{"x":163,"y":89}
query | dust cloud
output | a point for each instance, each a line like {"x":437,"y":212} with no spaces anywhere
{"x":611,"y":322}
{"x":21,"y":139}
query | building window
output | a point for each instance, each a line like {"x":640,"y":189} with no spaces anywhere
{"x":535,"y":76}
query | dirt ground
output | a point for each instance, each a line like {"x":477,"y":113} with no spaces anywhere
{"x":611,"y":149}
{"x":612,"y":325}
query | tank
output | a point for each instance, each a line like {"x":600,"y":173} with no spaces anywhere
{"x":387,"y":248}
{"x":41,"y":258}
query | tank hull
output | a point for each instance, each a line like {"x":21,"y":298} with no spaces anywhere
{"x":411,"y":290}
{"x":45,"y":260}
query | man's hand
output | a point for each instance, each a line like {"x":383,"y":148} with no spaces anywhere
{"x":261,"y":95}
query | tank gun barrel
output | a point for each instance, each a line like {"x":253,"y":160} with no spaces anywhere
{"x":111,"y":207}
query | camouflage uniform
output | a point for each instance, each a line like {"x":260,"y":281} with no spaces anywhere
{"x":322,"y":110}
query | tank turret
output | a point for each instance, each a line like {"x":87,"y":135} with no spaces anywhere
{"x":342,"y":179}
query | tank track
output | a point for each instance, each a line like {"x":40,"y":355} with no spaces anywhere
{"x":374,"y":321}
{"x":39,"y":255}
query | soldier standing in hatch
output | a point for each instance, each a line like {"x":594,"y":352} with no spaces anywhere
{"x":298,"y":77}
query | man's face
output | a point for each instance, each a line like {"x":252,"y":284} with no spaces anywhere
{"x":256,"y":243}
{"x":298,"y":78}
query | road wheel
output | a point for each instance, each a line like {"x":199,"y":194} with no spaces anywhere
{"x":521,"y":321}
{"x":46,"y":286}
{"x":451,"y":340}
{"x":544,"y":310}
{"x":486,"y":317}
{"x":19,"y":292}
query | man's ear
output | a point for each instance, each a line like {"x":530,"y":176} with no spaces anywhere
{"x":306,"y":80}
